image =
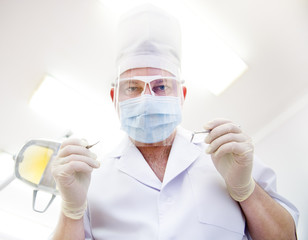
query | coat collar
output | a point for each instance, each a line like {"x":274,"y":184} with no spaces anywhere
{"x":182,"y":155}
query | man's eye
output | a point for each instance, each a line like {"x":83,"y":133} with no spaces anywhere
{"x":160,"y":88}
{"x":133,"y":90}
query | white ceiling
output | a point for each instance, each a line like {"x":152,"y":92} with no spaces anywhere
{"x":73,"y":41}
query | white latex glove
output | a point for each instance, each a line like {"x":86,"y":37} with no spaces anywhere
{"x":71,"y":170}
{"x":232,"y":154}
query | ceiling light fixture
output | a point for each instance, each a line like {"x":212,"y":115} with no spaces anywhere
{"x":63,"y":106}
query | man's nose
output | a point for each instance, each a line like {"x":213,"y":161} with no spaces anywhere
{"x":147,"y":89}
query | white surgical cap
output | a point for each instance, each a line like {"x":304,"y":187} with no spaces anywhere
{"x":148,"y":37}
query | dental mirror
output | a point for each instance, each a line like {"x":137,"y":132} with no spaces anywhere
{"x":33,"y":167}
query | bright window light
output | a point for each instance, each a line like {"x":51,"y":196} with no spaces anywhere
{"x":207,"y":62}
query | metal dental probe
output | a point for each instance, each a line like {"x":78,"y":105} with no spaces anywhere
{"x":89,"y":146}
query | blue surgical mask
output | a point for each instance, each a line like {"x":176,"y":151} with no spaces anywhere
{"x":150,"y":119}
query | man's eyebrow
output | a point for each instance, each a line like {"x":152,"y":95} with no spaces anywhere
{"x":135,"y":81}
{"x":159,"y":80}
{"x":129,"y":82}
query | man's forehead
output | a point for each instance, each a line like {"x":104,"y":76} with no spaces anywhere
{"x":148,"y":71}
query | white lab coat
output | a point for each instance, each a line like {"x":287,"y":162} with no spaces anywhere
{"x":127,"y":201}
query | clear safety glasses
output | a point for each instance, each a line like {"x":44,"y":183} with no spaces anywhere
{"x":157,"y":85}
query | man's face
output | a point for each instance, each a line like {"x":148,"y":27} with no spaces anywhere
{"x":148,"y":120}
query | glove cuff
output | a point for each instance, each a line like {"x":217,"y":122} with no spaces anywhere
{"x":240,"y":194}
{"x":74,"y":213}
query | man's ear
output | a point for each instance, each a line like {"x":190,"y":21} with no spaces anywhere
{"x":184,"y":91}
{"x":112,"y":93}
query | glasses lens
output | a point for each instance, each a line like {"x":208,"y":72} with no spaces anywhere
{"x":130,"y":89}
{"x":35,"y":160}
{"x":164,"y":87}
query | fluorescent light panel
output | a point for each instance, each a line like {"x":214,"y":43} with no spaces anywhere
{"x":62,"y":106}
{"x":61,"y":103}
{"x":58,"y":102}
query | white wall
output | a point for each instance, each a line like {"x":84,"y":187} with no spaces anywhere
{"x":285,"y":149}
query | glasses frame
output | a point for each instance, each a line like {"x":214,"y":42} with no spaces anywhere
{"x":147,"y":81}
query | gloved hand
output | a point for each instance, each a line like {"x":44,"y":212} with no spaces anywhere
{"x":71,"y":170}
{"x":232,"y":154}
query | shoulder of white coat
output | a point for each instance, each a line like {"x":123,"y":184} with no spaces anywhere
{"x":265,"y":176}
{"x":262,"y":173}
